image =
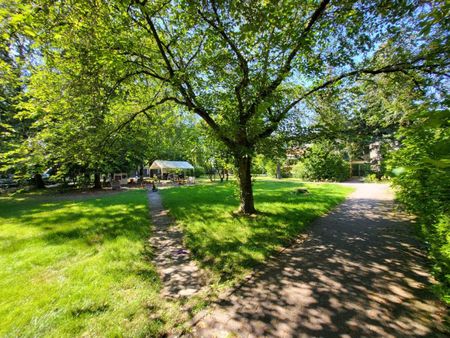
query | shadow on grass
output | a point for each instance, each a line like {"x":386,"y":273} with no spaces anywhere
{"x":89,"y":262}
{"x":230,"y":245}
{"x":361,"y":274}
{"x":90,"y":221}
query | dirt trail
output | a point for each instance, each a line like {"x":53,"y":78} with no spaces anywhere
{"x":180,"y":275}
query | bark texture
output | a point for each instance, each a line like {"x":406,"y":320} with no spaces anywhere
{"x":247,"y":205}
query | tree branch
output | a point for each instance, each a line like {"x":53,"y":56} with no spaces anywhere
{"x":285,"y":69}
{"x":184,"y":87}
{"x":193,"y":56}
{"x":135,"y":115}
{"x":243,"y":64}
{"x":159,"y":42}
{"x":414,"y":80}
{"x":400,"y":67}
{"x":129,"y":75}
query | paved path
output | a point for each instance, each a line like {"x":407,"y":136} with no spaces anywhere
{"x":360,"y":273}
{"x":180,"y":275}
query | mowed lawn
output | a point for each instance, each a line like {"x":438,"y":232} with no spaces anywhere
{"x":231,"y":245}
{"x":79,"y":268}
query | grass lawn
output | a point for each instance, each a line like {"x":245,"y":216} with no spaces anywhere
{"x":230,"y":246}
{"x":79,"y":268}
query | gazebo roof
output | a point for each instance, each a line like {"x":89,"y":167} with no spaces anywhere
{"x":159,"y":164}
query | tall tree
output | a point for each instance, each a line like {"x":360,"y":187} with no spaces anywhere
{"x":16,"y":62}
{"x":242,"y":67}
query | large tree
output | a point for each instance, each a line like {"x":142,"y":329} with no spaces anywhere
{"x":16,"y":55}
{"x":241,"y":66}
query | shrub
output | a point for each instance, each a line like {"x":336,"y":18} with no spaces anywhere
{"x":371,"y":178}
{"x":321,"y":163}
{"x":199,"y":171}
{"x":421,"y":169}
{"x":298,"y":170}
{"x":271,"y":169}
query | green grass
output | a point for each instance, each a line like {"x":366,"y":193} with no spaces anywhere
{"x":230,"y":245}
{"x":79,"y":268}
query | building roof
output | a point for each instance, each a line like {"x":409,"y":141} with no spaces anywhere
{"x":159,"y":164}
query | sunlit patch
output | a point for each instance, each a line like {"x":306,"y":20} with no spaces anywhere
{"x":70,"y":268}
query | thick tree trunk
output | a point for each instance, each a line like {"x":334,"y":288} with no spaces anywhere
{"x":38,"y":181}
{"x":247,"y":205}
{"x":97,"y":181}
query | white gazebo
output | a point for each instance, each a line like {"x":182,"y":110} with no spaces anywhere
{"x":167,"y":165}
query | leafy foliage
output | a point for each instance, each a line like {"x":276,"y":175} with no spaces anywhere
{"x":422,"y":174}
{"x":322,"y":162}
{"x":242,"y":67}
{"x":15,"y":47}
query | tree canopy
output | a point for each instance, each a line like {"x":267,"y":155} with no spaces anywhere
{"x":242,"y":67}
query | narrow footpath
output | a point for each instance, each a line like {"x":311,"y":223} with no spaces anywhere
{"x":179,"y":274}
{"x":360,"y":273}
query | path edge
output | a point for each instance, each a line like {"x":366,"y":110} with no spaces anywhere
{"x":273,"y":257}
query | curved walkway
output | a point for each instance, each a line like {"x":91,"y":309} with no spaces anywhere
{"x":361,"y":273}
{"x":180,"y":276}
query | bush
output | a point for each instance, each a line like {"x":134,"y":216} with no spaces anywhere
{"x":271,"y":169}
{"x":422,"y":175}
{"x":375,"y":178}
{"x":298,"y":170}
{"x":371,"y":178}
{"x":322,"y":163}
{"x":199,"y":171}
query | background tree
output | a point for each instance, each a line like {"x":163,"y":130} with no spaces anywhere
{"x":17,"y":62}
{"x":273,"y":150}
{"x":323,"y":161}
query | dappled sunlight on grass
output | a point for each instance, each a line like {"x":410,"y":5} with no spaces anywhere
{"x":79,"y":268}
{"x":231,"y":245}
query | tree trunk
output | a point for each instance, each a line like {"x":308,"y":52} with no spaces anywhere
{"x":87,"y":181}
{"x":38,"y":181}
{"x":211,"y":175}
{"x":97,"y":181}
{"x":247,"y":205}
{"x":141,"y":174}
{"x":278,"y":170}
